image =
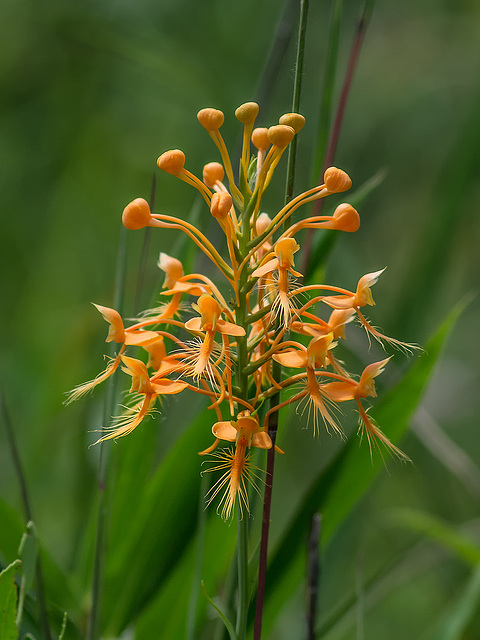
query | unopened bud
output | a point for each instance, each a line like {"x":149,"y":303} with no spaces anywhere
{"x":221,"y":205}
{"x":263,"y":222}
{"x":336,"y":180}
{"x":247,"y":112}
{"x":172,"y":162}
{"x":294,"y":120}
{"x":137,"y":214}
{"x":281,"y":135}
{"x":211,"y":119}
{"x":346,"y":218}
{"x":260,"y":138}
{"x":212,"y":172}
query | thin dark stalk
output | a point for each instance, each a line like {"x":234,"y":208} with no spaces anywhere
{"x":313,"y":575}
{"x":103,"y":467}
{"x":27,"y":509}
{"x":338,"y":120}
{"x":276,"y":368}
{"x":273,"y":65}
{"x":144,"y":255}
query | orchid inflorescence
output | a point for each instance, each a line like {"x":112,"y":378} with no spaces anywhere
{"x":225,"y":350}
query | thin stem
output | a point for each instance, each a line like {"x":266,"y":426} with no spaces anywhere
{"x":242,"y":559}
{"x":313,"y":575}
{"x":101,"y":532}
{"x":338,"y":120}
{"x":17,"y":464}
{"x":276,"y":367}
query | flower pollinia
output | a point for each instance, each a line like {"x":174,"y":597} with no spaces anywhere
{"x":251,"y":309}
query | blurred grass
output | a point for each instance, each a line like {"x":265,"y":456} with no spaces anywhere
{"x":91,"y":94}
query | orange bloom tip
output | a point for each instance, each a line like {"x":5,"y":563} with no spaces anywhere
{"x":117,"y":331}
{"x":213,"y":172}
{"x":136,"y":214}
{"x":209,"y":310}
{"x":221,"y":205}
{"x":366,"y":386}
{"x":262,"y":223}
{"x":346,"y":218}
{"x":281,"y":135}
{"x":247,"y":112}
{"x":284,"y":250}
{"x":291,"y":358}
{"x":294,"y":120}
{"x":140,"y":378}
{"x":260,"y":138}
{"x":172,"y":162}
{"x":173,"y":269}
{"x":210,"y":119}
{"x":336,"y":180}
{"x":363,"y":295}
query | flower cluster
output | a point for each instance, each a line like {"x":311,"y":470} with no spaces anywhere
{"x":225,"y":351}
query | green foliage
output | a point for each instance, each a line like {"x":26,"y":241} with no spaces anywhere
{"x":92,"y":94}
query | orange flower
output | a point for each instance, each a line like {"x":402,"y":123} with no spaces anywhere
{"x":238,"y":472}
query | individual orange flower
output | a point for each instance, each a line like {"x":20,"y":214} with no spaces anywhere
{"x":347,"y":389}
{"x":117,"y":333}
{"x":238,"y":472}
{"x":141,"y":385}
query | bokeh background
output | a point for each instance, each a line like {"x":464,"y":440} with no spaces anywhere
{"x":92,"y":93}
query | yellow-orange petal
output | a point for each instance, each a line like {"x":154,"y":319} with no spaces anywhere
{"x":117,"y":331}
{"x":247,"y":112}
{"x":229,"y":328}
{"x":268,"y":267}
{"x":212,"y":172}
{"x":136,"y":214}
{"x":173,"y":269}
{"x":221,"y":205}
{"x":262,"y":440}
{"x":336,"y":180}
{"x":224,"y":431}
{"x":172,"y":161}
{"x":294,"y":120}
{"x":291,"y":358}
{"x":168,"y":387}
{"x":140,"y":338}
{"x":210,"y":119}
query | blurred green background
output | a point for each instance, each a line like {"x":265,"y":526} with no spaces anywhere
{"x":92,"y":93}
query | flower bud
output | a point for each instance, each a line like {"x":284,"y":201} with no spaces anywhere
{"x":346,"y":218}
{"x":221,"y":205}
{"x":212,"y":172}
{"x":336,"y":180}
{"x":210,"y":119}
{"x":247,"y":112}
{"x":294,"y":120}
{"x":172,"y":161}
{"x":281,"y":135}
{"x":263,"y":222}
{"x":137,"y":214}
{"x":260,"y":138}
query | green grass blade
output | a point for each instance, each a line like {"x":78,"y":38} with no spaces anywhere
{"x":8,"y":602}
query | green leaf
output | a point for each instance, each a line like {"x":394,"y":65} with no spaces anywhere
{"x":440,"y":531}
{"x":454,"y":622}
{"x":8,"y":602}
{"x":226,"y":621}
{"x":338,"y":489}
{"x":28,"y":554}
